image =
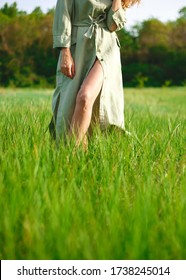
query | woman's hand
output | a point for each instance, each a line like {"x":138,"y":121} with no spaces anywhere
{"x":116,"y":5}
{"x":67,"y":63}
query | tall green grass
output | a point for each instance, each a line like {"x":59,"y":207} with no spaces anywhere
{"x":123,"y":199}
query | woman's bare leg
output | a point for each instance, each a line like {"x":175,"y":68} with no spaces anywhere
{"x":86,"y":97}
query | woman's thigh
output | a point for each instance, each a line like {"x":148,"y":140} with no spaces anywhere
{"x":92,"y":84}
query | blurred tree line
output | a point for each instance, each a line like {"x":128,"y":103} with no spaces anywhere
{"x":153,"y":53}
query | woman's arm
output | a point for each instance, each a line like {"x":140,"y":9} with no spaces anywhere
{"x":67,"y":63}
{"x":62,"y":27}
{"x":116,"y":5}
{"x":116,"y":16}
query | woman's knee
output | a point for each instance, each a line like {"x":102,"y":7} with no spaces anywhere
{"x":83,"y":100}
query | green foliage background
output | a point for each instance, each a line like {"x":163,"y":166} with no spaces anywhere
{"x":153,"y":53}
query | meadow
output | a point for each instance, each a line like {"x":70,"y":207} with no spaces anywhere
{"x":125,"y":198}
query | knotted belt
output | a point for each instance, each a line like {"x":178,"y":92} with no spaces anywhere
{"x":93,"y":24}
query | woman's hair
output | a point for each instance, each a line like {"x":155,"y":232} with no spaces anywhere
{"x":129,"y":3}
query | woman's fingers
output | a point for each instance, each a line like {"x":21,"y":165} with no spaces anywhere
{"x":67,"y":63}
{"x":66,"y":71}
{"x":73,"y":69}
{"x":69,"y":72}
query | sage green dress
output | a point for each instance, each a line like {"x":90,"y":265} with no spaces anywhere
{"x":84,"y":26}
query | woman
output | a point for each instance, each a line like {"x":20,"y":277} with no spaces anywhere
{"x":89,"y":78}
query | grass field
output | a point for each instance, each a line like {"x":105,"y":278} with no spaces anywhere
{"x":123,"y":199}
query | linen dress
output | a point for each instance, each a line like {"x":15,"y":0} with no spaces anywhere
{"x":84,"y":27}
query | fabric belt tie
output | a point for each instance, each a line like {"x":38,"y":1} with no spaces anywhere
{"x":93,"y":25}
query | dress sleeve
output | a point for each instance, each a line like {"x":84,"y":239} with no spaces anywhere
{"x":117,"y":18}
{"x":62,"y":24}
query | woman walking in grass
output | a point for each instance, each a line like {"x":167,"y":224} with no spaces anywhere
{"x":89,"y":78}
